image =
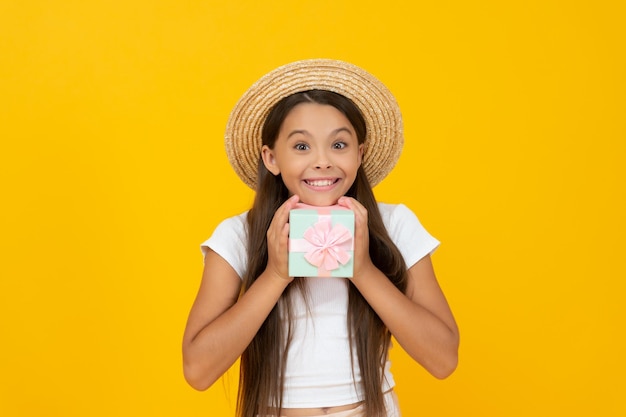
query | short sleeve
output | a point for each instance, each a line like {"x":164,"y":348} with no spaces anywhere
{"x":229,"y":240}
{"x":406,"y":231}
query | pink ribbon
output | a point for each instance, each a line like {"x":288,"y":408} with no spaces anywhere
{"x":325,"y":246}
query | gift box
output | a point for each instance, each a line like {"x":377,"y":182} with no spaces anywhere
{"x":321,"y":241}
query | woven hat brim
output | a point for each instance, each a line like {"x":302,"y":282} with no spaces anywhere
{"x":384,"y":139}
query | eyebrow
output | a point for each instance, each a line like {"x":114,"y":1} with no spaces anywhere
{"x":306,"y":132}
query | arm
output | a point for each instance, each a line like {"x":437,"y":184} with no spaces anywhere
{"x":220,"y":326}
{"x":420,"y":320}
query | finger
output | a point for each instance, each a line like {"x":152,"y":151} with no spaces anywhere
{"x":283,"y":211}
{"x":344,"y":202}
{"x":278,"y":231}
{"x":351,"y":203}
{"x":360,"y":223}
{"x":360,"y":212}
{"x":292,"y":202}
{"x":281,"y":216}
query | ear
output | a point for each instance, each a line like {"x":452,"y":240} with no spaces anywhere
{"x":361,"y":152}
{"x":269,"y":160}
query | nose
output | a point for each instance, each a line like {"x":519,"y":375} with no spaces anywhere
{"x":324,"y":165}
{"x":323,"y":161}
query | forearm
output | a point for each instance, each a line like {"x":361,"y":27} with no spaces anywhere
{"x":424,"y":336}
{"x":214,"y":349}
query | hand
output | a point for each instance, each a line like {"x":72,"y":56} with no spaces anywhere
{"x":278,"y":241}
{"x":362,"y":260}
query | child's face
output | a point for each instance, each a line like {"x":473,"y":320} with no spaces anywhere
{"x":317,"y":153}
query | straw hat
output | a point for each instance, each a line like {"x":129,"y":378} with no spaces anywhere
{"x":379,"y":108}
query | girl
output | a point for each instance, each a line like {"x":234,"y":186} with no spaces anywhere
{"x":319,"y":132}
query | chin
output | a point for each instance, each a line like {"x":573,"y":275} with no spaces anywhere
{"x":320,"y":202}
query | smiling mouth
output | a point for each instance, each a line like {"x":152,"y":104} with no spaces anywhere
{"x":321,"y":183}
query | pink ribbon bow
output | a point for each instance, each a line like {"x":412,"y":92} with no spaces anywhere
{"x":327,"y":246}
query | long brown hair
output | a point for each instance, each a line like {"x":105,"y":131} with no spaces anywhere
{"x":263,"y":362}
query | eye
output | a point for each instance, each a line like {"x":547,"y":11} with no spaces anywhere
{"x":301,"y":146}
{"x":339,"y":145}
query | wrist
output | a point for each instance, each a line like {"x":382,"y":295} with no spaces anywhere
{"x":365,"y":271}
{"x":276,"y":277}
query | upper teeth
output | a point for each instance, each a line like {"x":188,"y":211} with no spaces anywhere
{"x":320,"y":183}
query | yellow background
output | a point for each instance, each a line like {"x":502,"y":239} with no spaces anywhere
{"x":113,"y":171}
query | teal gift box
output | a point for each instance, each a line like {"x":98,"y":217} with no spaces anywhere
{"x":321,"y":241}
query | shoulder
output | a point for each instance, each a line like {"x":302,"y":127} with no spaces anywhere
{"x":230,"y":228}
{"x":229,"y":240}
{"x":234,"y":224}
{"x":407,"y":232}
{"x":398,"y":219}
{"x":394,"y":213}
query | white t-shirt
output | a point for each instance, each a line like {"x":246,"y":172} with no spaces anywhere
{"x":318,"y":371}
